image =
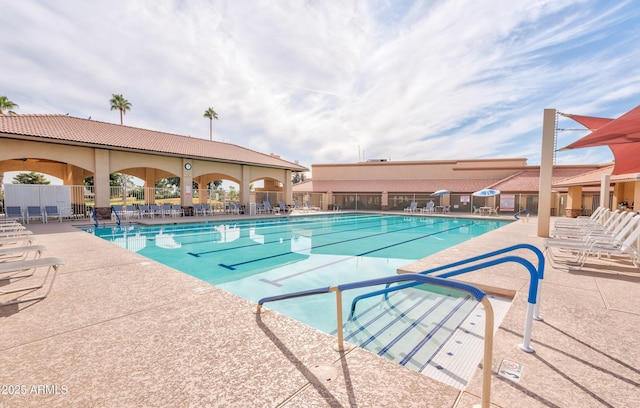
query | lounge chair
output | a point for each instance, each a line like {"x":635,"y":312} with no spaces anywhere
{"x":117,"y":211}
{"x":51,"y":211}
{"x":20,"y":253}
{"x":15,"y":233}
{"x":283,"y":207}
{"x":14,"y":213}
{"x":269,"y":209}
{"x":34,"y":213}
{"x":622,"y":243}
{"x":598,"y":216}
{"x":166,"y":210}
{"x":609,"y":225}
{"x":16,"y":241}
{"x":412,"y":207}
{"x":311,"y":207}
{"x":8,"y":268}
{"x":131,"y":211}
{"x":428,"y":208}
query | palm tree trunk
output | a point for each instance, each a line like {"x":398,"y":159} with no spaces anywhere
{"x":211,"y":129}
{"x":121,"y":116}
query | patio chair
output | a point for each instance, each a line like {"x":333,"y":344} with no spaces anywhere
{"x":617,"y":220}
{"x":476,"y":210}
{"x":177,"y":210}
{"x":297,"y":207}
{"x":131,"y":211}
{"x":283,"y":207}
{"x":14,"y":213}
{"x":310,"y":207}
{"x":155,"y":209}
{"x":51,"y":211}
{"x":428,"y":208}
{"x":144,"y":211}
{"x":166,"y":209}
{"x":269,"y":209}
{"x":34,"y":213}
{"x":412,"y":207}
{"x":494,"y":211}
{"x":8,"y":268}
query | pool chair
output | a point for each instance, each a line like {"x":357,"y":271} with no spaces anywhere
{"x":494,"y":211}
{"x":283,"y":207}
{"x":269,"y":209}
{"x":412,"y":207}
{"x":166,"y":210}
{"x":310,"y":207}
{"x":621,"y":244}
{"x":8,"y":271}
{"x":598,"y":216}
{"x":144,"y":211}
{"x":197,"y":209}
{"x":297,"y":207}
{"x":51,"y":211}
{"x":616,"y":221}
{"x":130,"y":211}
{"x":34,"y":213}
{"x":155,"y":209}
{"x":14,"y":213}
{"x":20,"y":253}
{"x":177,"y":210}
{"x":428,"y":208}
{"x":15,"y":233}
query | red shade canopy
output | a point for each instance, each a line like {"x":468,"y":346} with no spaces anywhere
{"x":622,"y":135}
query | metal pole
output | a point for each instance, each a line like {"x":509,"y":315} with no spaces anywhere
{"x":488,"y":353}
{"x":339,"y":317}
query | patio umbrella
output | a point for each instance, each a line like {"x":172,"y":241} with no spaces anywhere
{"x":622,"y":135}
{"x":486,"y":192}
{"x":440,"y":193}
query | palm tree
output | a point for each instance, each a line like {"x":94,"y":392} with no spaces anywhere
{"x":118,"y":102}
{"x":211,"y":115}
{"x":6,"y":104}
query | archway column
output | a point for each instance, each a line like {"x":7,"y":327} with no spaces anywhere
{"x":245,"y":185}
{"x":101,"y":186}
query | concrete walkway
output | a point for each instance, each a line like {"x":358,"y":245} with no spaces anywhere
{"x":120,"y":330}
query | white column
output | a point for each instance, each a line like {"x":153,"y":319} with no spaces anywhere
{"x":546,"y":172}
{"x":605,"y":185}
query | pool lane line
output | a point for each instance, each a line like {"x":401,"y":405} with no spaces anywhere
{"x":275,"y":282}
{"x":329,"y":233}
{"x":233,"y":266}
{"x":232,"y":248}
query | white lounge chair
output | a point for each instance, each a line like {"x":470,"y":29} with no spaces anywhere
{"x":622,"y":243}
{"x":7,"y":268}
{"x":412,"y":207}
{"x":428,"y":208}
{"x":20,"y":253}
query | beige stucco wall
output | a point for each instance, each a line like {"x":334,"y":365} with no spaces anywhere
{"x":498,"y":168}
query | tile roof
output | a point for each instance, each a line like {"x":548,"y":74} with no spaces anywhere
{"x":78,"y":131}
{"x":594,"y":177}
{"x":529,"y":180}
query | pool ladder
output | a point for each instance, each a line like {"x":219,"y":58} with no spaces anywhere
{"x":415,"y":279}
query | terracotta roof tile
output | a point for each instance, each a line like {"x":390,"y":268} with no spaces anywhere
{"x":69,"y":129}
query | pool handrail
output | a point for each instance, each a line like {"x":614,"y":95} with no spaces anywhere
{"x":94,"y":216}
{"x":534,"y":249}
{"x":478,"y":294}
{"x":533,"y":309}
{"x":117,"y":216}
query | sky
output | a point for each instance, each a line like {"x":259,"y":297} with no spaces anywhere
{"x":324,"y":81}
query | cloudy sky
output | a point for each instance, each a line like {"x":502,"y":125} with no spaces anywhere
{"x":323,"y":81}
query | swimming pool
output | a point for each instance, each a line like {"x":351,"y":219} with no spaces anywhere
{"x":255,"y":258}
{"x":264,"y":257}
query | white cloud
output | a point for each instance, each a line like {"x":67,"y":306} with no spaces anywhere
{"x":323,"y":82}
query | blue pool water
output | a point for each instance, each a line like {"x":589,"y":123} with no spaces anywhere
{"x":264,"y":257}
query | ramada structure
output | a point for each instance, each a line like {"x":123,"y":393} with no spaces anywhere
{"x":73,"y":149}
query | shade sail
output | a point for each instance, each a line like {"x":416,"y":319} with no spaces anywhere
{"x":590,"y":122}
{"x":622,"y":135}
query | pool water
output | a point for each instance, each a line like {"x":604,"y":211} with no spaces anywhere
{"x":265,"y":257}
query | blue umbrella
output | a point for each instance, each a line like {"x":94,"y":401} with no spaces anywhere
{"x":486,"y":192}
{"x":440,"y":193}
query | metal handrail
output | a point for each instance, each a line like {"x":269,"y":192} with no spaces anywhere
{"x":117,"y":216}
{"x":94,"y":216}
{"x":478,"y":294}
{"x":536,"y":274}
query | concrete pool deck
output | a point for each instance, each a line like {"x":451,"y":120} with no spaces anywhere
{"x":120,"y":330}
